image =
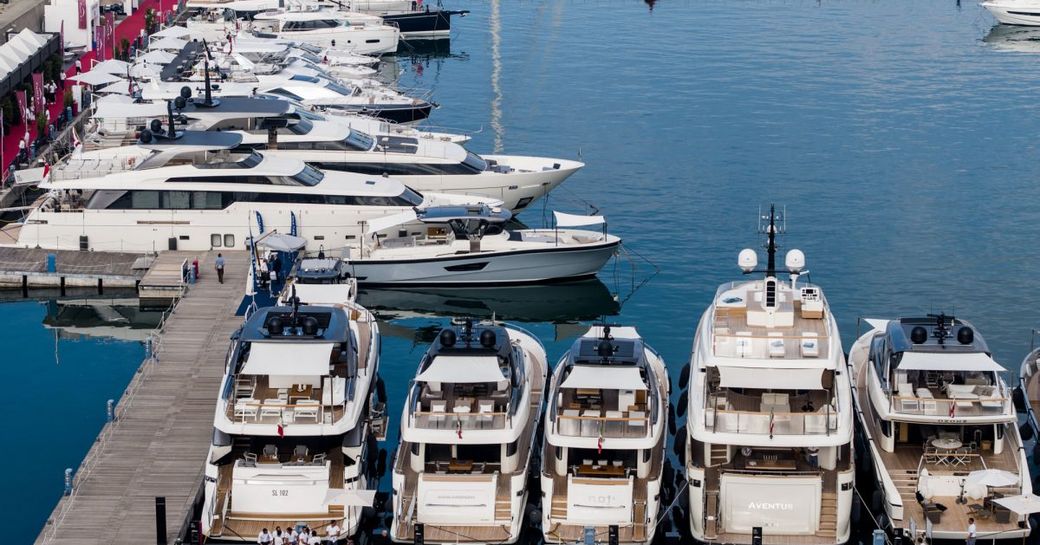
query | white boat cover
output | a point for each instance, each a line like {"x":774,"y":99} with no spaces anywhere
{"x":350,"y":498}
{"x":758,"y":377}
{"x":948,"y":361}
{"x":604,"y":377}
{"x":462,"y":370}
{"x":1024,"y":504}
{"x":295,"y":358}
{"x":393,"y":220}
{"x":576,"y":220}
{"x":95,"y":78}
{"x":281,"y":242}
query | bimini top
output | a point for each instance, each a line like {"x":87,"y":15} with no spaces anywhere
{"x":606,"y":357}
{"x":308,"y":323}
{"x":938,"y":343}
{"x":468,"y":353}
{"x":483,"y":212}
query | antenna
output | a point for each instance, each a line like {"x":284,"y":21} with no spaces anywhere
{"x":942,"y":330}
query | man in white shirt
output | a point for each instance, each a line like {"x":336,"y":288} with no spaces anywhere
{"x":332,"y":533}
{"x":264,"y":538}
{"x":293,"y":535}
{"x":277,"y":536}
{"x":315,"y":538}
{"x":971,"y":531}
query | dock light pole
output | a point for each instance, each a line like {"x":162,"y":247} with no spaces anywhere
{"x":68,"y":481}
{"x":160,"y":520}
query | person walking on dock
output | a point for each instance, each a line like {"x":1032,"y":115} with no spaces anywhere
{"x":971,"y":531}
{"x":220,"y":268}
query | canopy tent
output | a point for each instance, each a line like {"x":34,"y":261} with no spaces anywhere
{"x":948,"y":361}
{"x":111,"y":66}
{"x":758,"y":377}
{"x":575,"y":220}
{"x":157,"y":57}
{"x":288,"y":358}
{"x":119,"y":87}
{"x":167,"y":44}
{"x":462,"y":370}
{"x":604,"y":377}
{"x":393,"y":220}
{"x":350,"y":498}
{"x":281,"y":242}
{"x":95,"y":78}
{"x":992,"y":477}
{"x":172,"y":32}
{"x":23,"y":54}
{"x":1025,"y":504}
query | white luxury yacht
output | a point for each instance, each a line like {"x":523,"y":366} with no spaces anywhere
{"x":1014,"y":12}
{"x":325,"y":27}
{"x":293,"y":436}
{"x":605,"y":433}
{"x":469,"y":245}
{"x":198,"y":197}
{"x":467,"y":434}
{"x":770,"y":425}
{"x":940,"y":429}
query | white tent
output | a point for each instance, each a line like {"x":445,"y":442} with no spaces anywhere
{"x":604,"y":377}
{"x":19,"y":49}
{"x":758,"y":377}
{"x":296,"y":358}
{"x":167,"y":44}
{"x":119,"y":87}
{"x":462,"y":370}
{"x":157,"y":57}
{"x":575,"y":220}
{"x":1024,"y":504}
{"x":948,"y":361}
{"x":111,"y":66}
{"x":172,"y":32}
{"x":95,"y":78}
{"x":281,"y":242}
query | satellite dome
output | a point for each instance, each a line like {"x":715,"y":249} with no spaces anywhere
{"x":747,"y":259}
{"x":448,"y":338}
{"x":795,"y":261}
{"x":965,"y":335}
{"x":918,"y":335}
{"x":487,"y":338}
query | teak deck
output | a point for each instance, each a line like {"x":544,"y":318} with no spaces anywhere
{"x":158,"y":445}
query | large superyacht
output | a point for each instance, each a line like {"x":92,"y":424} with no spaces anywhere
{"x":770,"y":426}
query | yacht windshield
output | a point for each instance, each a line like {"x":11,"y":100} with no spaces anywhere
{"x":309,"y":176}
{"x":338,"y":88}
{"x":303,"y":126}
{"x":475,"y":162}
{"x":359,"y":140}
{"x":250,"y":161}
{"x":301,"y":77}
{"x":412,"y":197}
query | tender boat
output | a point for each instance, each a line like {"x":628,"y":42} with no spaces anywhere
{"x":320,"y":280}
{"x":603,"y":453}
{"x":468,"y":245}
{"x":940,"y":429}
{"x":1014,"y":12}
{"x":770,"y":423}
{"x":467,"y":435}
{"x":293,"y":431}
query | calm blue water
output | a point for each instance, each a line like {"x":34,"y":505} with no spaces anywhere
{"x":901,"y":137}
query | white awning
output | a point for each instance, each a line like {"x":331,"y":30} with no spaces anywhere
{"x":604,"y":377}
{"x":119,"y":87}
{"x":462,"y":370}
{"x":95,"y":78}
{"x":758,"y":377}
{"x":166,"y":44}
{"x":172,"y":32}
{"x":350,"y":498}
{"x":388,"y":222}
{"x":1024,"y":504}
{"x":947,"y":361}
{"x":288,"y":358}
{"x":111,"y":66}
{"x":156,"y":57}
{"x":575,"y":220}
{"x":281,"y":242}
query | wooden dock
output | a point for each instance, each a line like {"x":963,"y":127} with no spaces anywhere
{"x":163,"y":428}
{"x":28,"y":268}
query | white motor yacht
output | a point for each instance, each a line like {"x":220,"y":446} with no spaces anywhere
{"x":1014,"y":12}
{"x":770,"y":423}
{"x":293,"y":438}
{"x":604,"y":448}
{"x":940,"y":430}
{"x":468,"y":245}
{"x":467,"y":435}
{"x":324,"y":27}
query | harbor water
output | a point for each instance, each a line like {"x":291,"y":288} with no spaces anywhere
{"x":900,"y":136}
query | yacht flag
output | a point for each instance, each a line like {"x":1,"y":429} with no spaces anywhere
{"x":259,"y":221}
{"x":459,"y":428}
{"x":772,"y":422}
{"x":292,"y":223}
{"x":953,"y":410}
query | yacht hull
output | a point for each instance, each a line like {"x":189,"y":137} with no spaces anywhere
{"x":489,"y":268}
{"x":421,"y":24}
{"x":1011,"y":14}
{"x":396,"y":113}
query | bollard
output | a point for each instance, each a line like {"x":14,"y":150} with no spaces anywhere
{"x":52,"y":263}
{"x":110,"y":410}
{"x":68,"y":481}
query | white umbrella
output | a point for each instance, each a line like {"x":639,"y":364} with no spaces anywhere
{"x":1023,"y":505}
{"x":282,"y":243}
{"x":121,"y":87}
{"x":157,"y":57}
{"x":172,"y":32}
{"x":111,"y":66}
{"x":167,"y":44}
{"x":95,"y":78}
{"x":992,"y":477}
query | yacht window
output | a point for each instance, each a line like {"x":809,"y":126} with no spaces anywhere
{"x":475,"y":162}
{"x":144,"y":199}
{"x":359,"y":140}
{"x":177,"y":200}
{"x":229,"y":241}
{"x":214,"y":240}
{"x":250,"y":161}
{"x":309,"y":176}
{"x":301,"y":77}
{"x":338,"y":88}
{"x":398,"y":144}
{"x":303,"y":126}
{"x":282,"y":92}
{"x":206,"y":200}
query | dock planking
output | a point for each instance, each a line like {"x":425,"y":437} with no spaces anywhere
{"x":164,"y":425}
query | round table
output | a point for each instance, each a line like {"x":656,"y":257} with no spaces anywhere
{"x":946,"y":444}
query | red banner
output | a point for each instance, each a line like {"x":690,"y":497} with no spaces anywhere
{"x":101,"y":41}
{"x":83,"y":13}
{"x":22,"y":106}
{"x":38,"y":101}
{"x":110,"y":32}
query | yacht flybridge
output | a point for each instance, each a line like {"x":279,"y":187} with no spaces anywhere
{"x":1014,"y":12}
{"x":469,"y":245}
{"x":603,"y":453}
{"x":467,"y":434}
{"x":293,"y":435}
{"x":770,"y":424}
{"x":940,"y":428}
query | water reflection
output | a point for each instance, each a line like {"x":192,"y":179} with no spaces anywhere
{"x":572,"y":301}
{"x":1019,"y":39}
{"x":120,"y":319}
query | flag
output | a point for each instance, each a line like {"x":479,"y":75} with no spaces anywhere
{"x":3,"y":174}
{"x":82,"y":13}
{"x":281,"y":430}
{"x":22,"y":106}
{"x":110,"y":32}
{"x":46,"y":173}
{"x":599,"y":445}
{"x":953,"y":409}
{"x":259,"y":222}
{"x":772,"y":423}
{"x":76,"y":143}
{"x":38,"y":102}
{"x":292,"y":223}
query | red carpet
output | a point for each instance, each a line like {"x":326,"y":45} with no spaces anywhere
{"x":129,"y":28}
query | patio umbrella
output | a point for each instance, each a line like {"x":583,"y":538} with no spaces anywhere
{"x":121,"y":87}
{"x":1023,"y":505}
{"x":280,"y":242}
{"x":167,"y":44}
{"x":157,"y":57}
{"x":992,"y":477}
{"x":172,"y":32}
{"x":95,"y":78}
{"x":111,"y":66}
